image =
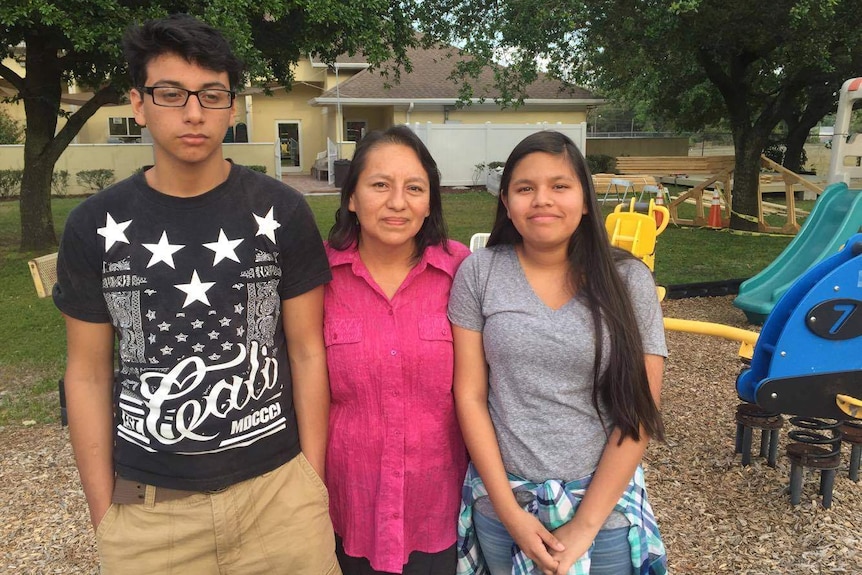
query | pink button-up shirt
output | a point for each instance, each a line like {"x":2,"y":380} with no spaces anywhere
{"x":395,"y":460}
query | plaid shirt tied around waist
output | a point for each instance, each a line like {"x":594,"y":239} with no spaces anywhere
{"x":554,"y":505}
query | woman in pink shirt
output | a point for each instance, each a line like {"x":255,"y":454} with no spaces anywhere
{"x":395,"y":460}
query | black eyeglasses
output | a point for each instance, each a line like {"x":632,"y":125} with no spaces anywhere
{"x":171,"y":97}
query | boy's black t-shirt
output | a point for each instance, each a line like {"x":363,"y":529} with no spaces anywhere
{"x":193,"y":288}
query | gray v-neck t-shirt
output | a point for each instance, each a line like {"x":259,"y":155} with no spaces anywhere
{"x":541,"y":362}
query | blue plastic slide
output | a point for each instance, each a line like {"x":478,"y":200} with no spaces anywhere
{"x":836,"y":216}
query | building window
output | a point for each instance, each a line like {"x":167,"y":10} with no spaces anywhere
{"x":356,"y":130}
{"x":124,"y":130}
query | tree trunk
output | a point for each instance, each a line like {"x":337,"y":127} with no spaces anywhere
{"x":799,"y":126}
{"x":794,"y":145}
{"x":37,"y":221}
{"x":44,"y":144}
{"x":41,"y":103}
{"x":748,"y":145}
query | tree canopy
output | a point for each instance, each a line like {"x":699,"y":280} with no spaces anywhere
{"x":692,"y":62}
{"x":61,"y":42}
{"x":751,"y":65}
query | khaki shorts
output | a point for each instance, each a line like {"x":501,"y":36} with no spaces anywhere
{"x":272,"y":524}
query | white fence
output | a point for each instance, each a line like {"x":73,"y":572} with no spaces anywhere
{"x":460,"y":148}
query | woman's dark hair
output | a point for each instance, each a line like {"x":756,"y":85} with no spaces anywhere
{"x":183,"y":35}
{"x":623,"y":386}
{"x":345,"y":233}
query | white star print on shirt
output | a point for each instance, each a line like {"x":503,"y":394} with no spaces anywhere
{"x":224,"y":248}
{"x":113,"y":232}
{"x":195,"y":290}
{"x":163,"y":251}
{"x":267,"y":225}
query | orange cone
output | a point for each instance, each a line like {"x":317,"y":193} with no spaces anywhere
{"x":714,"y":220}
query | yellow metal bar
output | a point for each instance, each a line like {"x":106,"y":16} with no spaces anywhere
{"x":746,"y":338}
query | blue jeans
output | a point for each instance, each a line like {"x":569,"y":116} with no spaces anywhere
{"x":611,"y":554}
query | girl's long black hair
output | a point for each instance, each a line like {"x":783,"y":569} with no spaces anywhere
{"x":623,"y":387}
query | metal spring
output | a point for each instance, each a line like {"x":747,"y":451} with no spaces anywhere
{"x":817,"y":431}
{"x":854,"y":423}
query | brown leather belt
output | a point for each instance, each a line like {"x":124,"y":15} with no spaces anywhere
{"x":128,"y":492}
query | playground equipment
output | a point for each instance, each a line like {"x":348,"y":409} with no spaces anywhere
{"x":846,"y":149}
{"x":808,"y":350}
{"x":836,"y":216}
{"x":746,"y":338}
{"x":637,"y":232}
{"x":630,"y":230}
{"x":806,"y":363}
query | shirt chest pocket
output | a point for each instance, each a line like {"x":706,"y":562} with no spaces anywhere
{"x":435,"y":328}
{"x":342,"y":331}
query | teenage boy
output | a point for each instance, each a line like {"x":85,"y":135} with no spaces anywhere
{"x":204,"y":451}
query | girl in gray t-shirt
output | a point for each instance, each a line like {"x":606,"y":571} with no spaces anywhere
{"x":559,"y":352}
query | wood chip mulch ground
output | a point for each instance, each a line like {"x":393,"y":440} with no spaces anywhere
{"x":715,"y":516}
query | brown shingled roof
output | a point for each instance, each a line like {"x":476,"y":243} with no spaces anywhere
{"x":343,"y":59}
{"x":430,"y":79}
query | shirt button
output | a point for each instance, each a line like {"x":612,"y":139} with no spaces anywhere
{"x":393,"y":352}
{"x":396,"y":515}
{"x":391,"y":312}
{"x":335,"y":336}
{"x":444,"y":331}
{"x":397,"y":474}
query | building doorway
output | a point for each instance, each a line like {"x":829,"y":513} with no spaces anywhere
{"x":289,"y":145}
{"x":355,"y":130}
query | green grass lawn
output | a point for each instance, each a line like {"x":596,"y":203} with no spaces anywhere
{"x":466,"y":213}
{"x":32,"y":338}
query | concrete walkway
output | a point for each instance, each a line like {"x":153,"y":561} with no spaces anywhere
{"x":305,"y":184}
